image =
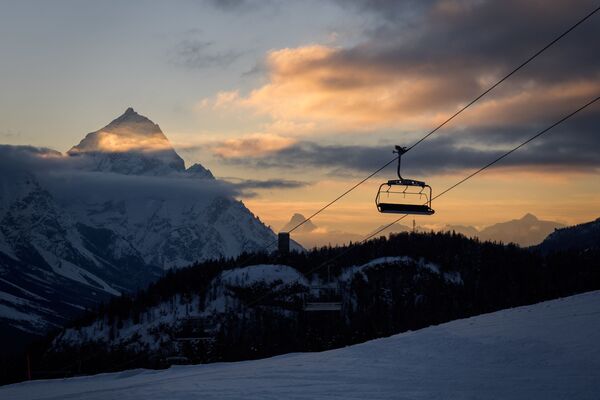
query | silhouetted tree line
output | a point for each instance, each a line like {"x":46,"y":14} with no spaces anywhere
{"x":386,"y":300}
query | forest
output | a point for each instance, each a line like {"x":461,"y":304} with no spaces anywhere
{"x":268,"y":318}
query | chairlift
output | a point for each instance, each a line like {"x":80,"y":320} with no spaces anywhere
{"x":323,"y":297}
{"x":392,"y":196}
{"x":194,"y":329}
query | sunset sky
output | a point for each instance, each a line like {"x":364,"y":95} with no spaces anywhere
{"x":315,"y":94}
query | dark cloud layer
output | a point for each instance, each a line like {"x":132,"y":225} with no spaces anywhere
{"x":250,"y":184}
{"x":74,"y":177}
{"x":467,"y":40}
{"x":198,"y":54}
{"x":456,"y":49}
{"x":419,"y":62}
{"x":574,"y":146}
{"x":229,"y":5}
{"x":242,"y":6}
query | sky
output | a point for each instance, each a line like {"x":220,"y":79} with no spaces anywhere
{"x":318,"y":92}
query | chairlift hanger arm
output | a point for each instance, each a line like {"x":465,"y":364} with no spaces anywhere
{"x":399,"y":150}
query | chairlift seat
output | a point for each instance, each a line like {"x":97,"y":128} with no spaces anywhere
{"x":392,"y":208}
{"x":323,"y":306}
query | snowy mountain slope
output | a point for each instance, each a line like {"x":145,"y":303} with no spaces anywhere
{"x":108,"y":217}
{"x":157,"y":326}
{"x":548,"y":350}
{"x":50,"y":266}
{"x":161,"y":322}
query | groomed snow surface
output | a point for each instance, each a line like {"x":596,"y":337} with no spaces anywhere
{"x":549,"y":350}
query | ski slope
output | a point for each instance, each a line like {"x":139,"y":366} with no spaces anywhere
{"x":549,"y":350}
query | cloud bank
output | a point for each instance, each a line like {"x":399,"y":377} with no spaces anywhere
{"x":73,"y":177}
{"x":418,"y":63}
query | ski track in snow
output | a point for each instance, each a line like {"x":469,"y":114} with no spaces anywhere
{"x":544,"y":351}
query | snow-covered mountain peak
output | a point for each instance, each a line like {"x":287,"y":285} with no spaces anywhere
{"x":198,"y":171}
{"x":131,"y":144}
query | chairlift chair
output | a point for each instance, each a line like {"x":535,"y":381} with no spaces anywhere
{"x":391,"y":195}
{"x":193,"y":329}
{"x":324,"y":297}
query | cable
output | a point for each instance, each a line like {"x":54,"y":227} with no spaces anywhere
{"x":523,"y":64}
{"x":566,"y":117}
{"x":342,"y":195}
{"x":348,"y":249}
{"x":437,"y":128}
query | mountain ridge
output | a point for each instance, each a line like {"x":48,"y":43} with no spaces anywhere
{"x":580,"y":237}
{"x":108,"y":217}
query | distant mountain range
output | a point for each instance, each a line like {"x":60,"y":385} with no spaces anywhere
{"x":582,"y":237}
{"x":526,"y":231}
{"x":106,"y":218}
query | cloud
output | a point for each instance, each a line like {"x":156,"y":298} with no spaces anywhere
{"x":248,"y":184}
{"x":242,"y":6}
{"x":125,"y":140}
{"x":68,"y":177}
{"x":29,"y":158}
{"x":198,"y":54}
{"x":231,"y":5}
{"x":421,"y":61}
{"x":252,"y":145}
{"x":71,"y":177}
{"x":573,"y":146}
{"x":224,"y":99}
{"x":9,"y":133}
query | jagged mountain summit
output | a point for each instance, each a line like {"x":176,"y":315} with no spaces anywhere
{"x":130,"y":144}
{"x":106,"y":218}
{"x":297,"y":219}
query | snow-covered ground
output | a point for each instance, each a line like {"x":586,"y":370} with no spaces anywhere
{"x":549,"y":350}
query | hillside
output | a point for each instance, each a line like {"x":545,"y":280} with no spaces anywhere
{"x":224,"y":310}
{"x":547,"y":350}
{"x":582,"y":237}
